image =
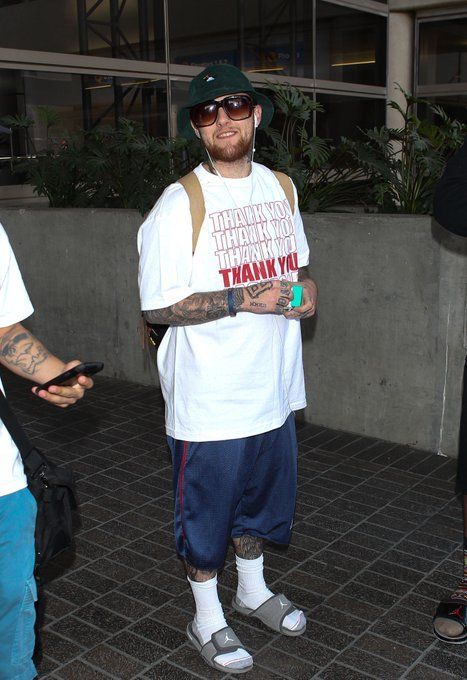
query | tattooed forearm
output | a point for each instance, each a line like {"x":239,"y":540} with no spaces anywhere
{"x":248,"y":547}
{"x":196,"y":309}
{"x":21,"y":350}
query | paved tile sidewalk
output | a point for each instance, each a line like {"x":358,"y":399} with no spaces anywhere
{"x":376,"y":543}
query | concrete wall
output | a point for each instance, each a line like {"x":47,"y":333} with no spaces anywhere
{"x":80,"y":268}
{"x":384,"y":356}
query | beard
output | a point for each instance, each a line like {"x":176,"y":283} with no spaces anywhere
{"x":230,"y":153}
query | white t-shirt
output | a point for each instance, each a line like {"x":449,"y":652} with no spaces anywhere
{"x":236,"y":376}
{"x":14,"y":306}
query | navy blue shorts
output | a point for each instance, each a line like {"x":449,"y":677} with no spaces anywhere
{"x":232,"y":488}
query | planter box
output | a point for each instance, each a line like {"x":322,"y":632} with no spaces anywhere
{"x":385,"y":355}
{"x":383,"y":358}
{"x":81,"y":270}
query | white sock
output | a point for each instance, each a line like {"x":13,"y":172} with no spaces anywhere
{"x":252,"y":590}
{"x":209,"y":618}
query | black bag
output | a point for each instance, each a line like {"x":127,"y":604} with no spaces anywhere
{"x":52,"y":486}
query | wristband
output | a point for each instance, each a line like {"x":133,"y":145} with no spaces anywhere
{"x":230,"y":302}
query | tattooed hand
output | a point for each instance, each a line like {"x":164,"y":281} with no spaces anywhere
{"x":308,"y":306}
{"x":270,"y":297}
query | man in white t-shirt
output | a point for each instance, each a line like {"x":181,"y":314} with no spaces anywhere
{"x":24,"y":355}
{"x":230,"y":364}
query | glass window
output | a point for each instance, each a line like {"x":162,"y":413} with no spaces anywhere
{"x":136,"y":30}
{"x":454,"y":105}
{"x":344,"y":116}
{"x":443,"y":52}
{"x":79,"y":101}
{"x":269,"y":37}
{"x":350,"y":45}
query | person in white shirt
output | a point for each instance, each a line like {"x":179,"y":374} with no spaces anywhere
{"x":230,"y":364}
{"x":24,"y":355}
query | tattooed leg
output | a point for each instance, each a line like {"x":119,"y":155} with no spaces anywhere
{"x":252,"y":590}
{"x":209,"y":617}
{"x":198,"y":575}
{"x":248,"y":547}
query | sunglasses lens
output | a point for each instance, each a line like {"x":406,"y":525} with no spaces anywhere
{"x":238,"y":107}
{"x":204,"y":114}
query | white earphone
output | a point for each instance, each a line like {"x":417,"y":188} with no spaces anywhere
{"x":256,"y":122}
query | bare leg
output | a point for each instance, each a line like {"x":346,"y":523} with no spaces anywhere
{"x":198,"y":575}
{"x":209,"y":619}
{"x":252,"y":590}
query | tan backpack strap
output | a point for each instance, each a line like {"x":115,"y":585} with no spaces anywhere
{"x":287,"y":186}
{"x":192,"y":187}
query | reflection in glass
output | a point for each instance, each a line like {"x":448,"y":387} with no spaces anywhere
{"x":125,"y":29}
{"x":345,"y":116}
{"x":443,"y":52}
{"x":454,"y":106}
{"x":99,"y":99}
{"x":350,"y":45}
{"x":268,"y":37}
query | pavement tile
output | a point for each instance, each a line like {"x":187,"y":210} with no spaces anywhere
{"x":388,"y":649}
{"x":376,"y":544}
{"x":158,"y":632}
{"x":369,"y":663}
{"x":450,"y":663}
{"x":144,"y":650}
{"x":289,"y":666}
{"x":330,"y":637}
{"x":337,"y":671}
{"x":124,"y":606}
{"x":423,"y":672}
{"x":112,"y":662}
{"x":78,"y":670}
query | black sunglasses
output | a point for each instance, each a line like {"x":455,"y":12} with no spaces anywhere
{"x":236,"y":106}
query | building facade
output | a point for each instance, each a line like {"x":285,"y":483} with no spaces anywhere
{"x":93,"y":61}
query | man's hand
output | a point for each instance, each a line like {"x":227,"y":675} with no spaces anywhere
{"x":65,"y":395}
{"x":308,"y":306}
{"x":270,"y":297}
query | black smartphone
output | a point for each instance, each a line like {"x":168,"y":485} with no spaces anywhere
{"x":87,"y":368}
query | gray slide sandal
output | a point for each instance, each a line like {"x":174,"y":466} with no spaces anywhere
{"x":222,"y":641}
{"x":272,"y":613}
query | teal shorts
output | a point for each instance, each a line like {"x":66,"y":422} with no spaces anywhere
{"x":18,"y":592}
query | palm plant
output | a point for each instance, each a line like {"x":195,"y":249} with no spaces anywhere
{"x":325,"y":175}
{"x":403,"y":164}
{"x":121,"y":167}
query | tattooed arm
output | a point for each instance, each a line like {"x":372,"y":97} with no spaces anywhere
{"x":26,"y":356}
{"x":270,"y":297}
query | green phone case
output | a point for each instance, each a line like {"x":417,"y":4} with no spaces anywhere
{"x":297,"y":296}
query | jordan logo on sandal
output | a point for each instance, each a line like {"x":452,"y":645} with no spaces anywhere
{"x":282,"y":604}
{"x":227,"y":639}
{"x":456,"y":612}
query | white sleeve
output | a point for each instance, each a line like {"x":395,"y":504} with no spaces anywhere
{"x":15,"y":304}
{"x":302,"y":244}
{"x":165,"y":250}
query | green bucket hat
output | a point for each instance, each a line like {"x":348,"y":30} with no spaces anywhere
{"x":213,"y":82}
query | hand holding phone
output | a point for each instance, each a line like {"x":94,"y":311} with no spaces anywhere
{"x":86,"y":368}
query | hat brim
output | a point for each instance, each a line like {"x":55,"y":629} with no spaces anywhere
{"x":183,"y":117}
